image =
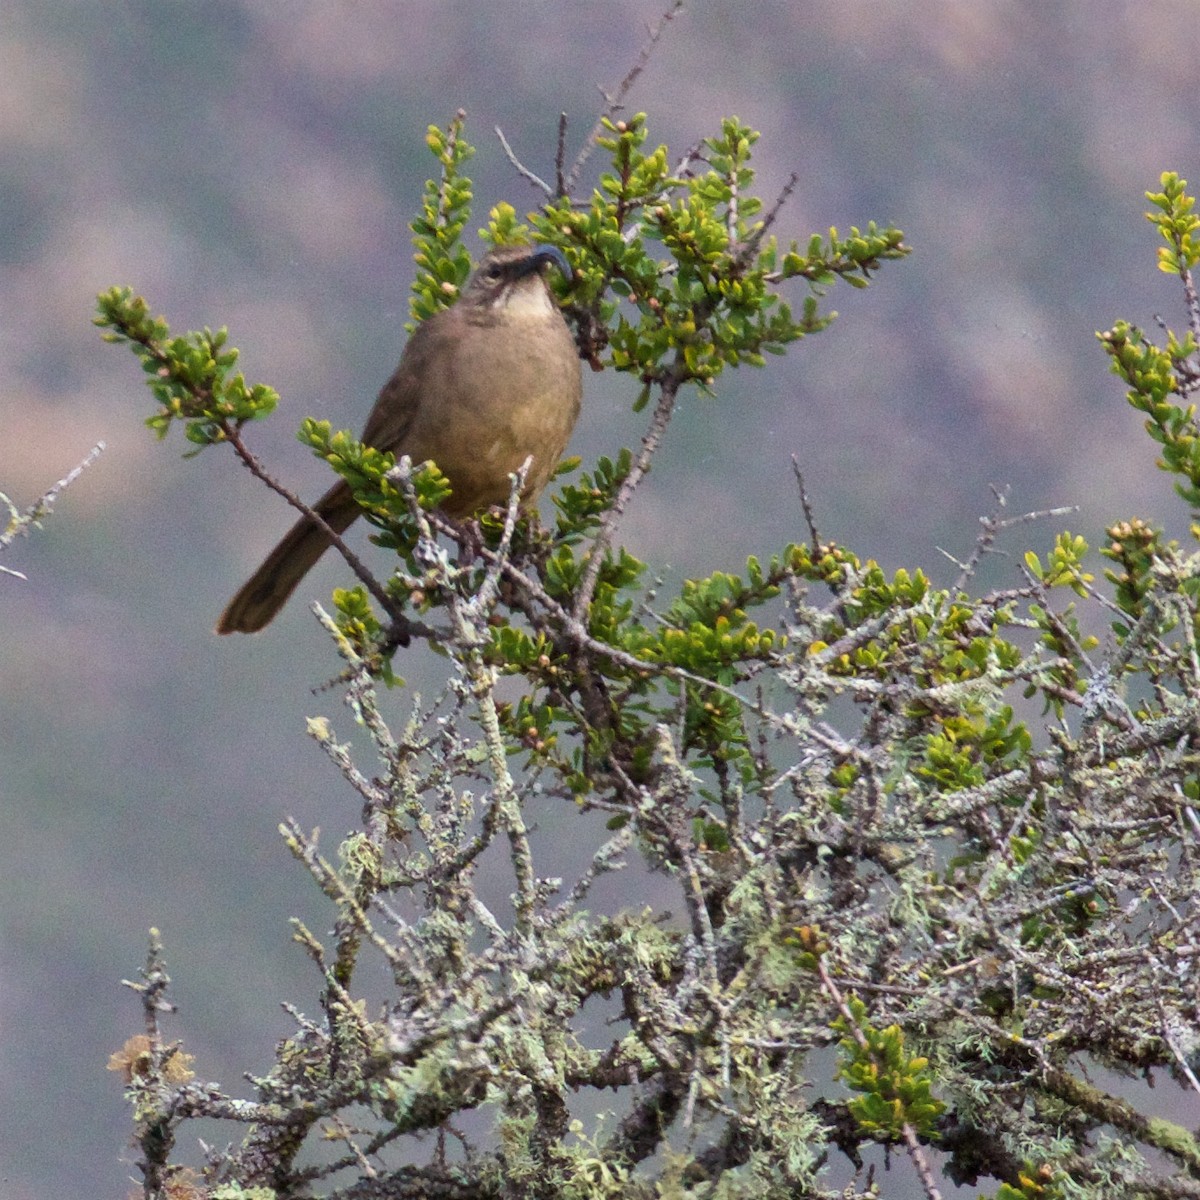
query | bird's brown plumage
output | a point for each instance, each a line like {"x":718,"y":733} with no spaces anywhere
{"x":480,"y":387}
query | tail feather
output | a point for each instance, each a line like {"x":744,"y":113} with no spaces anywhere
{"x":268,"y":589}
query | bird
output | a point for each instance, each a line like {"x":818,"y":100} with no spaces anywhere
{"x":481,"y":385}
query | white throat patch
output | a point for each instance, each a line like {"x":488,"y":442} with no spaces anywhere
{"x":528,"y":300}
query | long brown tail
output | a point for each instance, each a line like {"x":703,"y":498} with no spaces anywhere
{"x":268,"y":589}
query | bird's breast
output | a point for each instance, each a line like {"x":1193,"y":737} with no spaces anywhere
{"x":501,"y":391}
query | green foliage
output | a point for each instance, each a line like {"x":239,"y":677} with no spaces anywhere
{"x":1177,"y":222}
{"x":191,"y":377}
{"x":1155,"y":374}
{"x":896,"y":1088}
{"x":581,"y":507}
{"x":1136,"y":548}
{"x":717,"y":305}
{"x":443,"y":263}
{"x":1063,"y":566}
{"x":504,"y":227}
{"x":366,"y":470}
{"x":1033,"y":1183}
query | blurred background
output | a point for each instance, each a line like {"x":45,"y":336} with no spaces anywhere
{"x":254,"y":164}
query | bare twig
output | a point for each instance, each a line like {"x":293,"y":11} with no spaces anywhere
{"x":614,"y":101}
{"x":650,"y":442}
{"x":805,"y":504}
{"x":486,"y":594}
{"x":522,"y":170}
{"x":993,"y":525}
{"x":369,"y":581}
{"x":683,"y":167}
{"x":20,"y":523}
{"x":1180,"y":1060}
{"x":755,"y":240}
{"x":560,"y":156}
{"x":1193,"y":303}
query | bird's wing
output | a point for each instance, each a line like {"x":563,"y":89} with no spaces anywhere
{"x":399,"y":399}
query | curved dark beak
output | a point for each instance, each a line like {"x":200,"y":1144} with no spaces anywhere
{"x":542,"y":256}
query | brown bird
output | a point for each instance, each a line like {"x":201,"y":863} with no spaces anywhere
{"x":480,"y":387}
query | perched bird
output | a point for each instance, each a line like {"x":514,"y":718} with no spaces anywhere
{"x":480,"y":387}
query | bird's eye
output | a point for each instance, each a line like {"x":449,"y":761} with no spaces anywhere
{"x":493,"y":272}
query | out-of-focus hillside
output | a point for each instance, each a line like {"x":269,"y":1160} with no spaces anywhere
{"x":254,"y":164}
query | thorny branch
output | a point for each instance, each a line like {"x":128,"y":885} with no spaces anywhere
{"x":19,"y":523}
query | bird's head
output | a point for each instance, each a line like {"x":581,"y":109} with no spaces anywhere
{"x":511,"y":277}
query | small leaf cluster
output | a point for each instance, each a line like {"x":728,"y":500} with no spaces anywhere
{"x":1175,"y":219}
{"x":896,"y":1087}
{"x":1063,"y":565}
{"x":1156,"y":375}
{"x":1060,"y":631}
{"x":504,"y":227}
{"x":967,"y":749}
{"x":192,"y":377}
{"x":1135,"y":547}
{"x":366,"y":470}
{"x":363,"y":467}
{"x":706,"y":630}
{"x":1033,"y":1183}
{"x":581,"y":506}
{"x":851,"y":259}
{"x":386,"y":505}
{"x":442,"y":261}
